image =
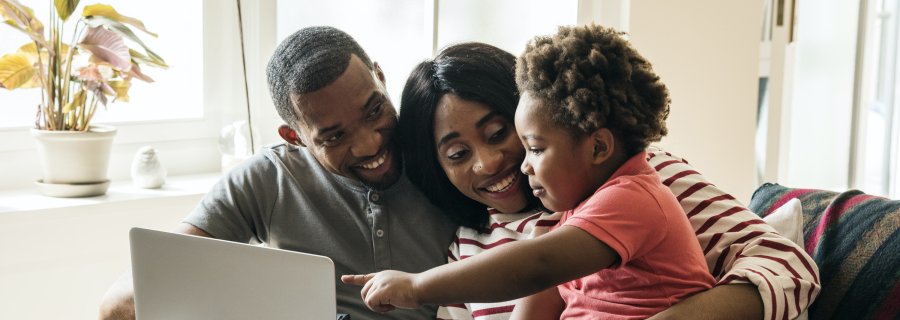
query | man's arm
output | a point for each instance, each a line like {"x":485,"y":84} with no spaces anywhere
{"x":118,"y":302}
{"x":734,"y":301}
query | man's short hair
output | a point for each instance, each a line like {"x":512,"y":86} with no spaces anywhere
{"x":306,"y":61}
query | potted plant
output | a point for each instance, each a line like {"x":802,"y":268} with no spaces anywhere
{"x":76,"y":78}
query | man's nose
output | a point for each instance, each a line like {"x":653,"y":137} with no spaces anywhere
{"x":367,"y":144}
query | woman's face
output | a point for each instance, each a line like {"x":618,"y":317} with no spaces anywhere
{"x":480,"y":152}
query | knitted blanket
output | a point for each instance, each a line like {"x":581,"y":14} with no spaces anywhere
{"x":854,"y":239}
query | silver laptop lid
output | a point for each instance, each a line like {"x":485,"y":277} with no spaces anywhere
{"x":180,"y":276}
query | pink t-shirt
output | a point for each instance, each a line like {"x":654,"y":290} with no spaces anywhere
{"x":661,"y":261}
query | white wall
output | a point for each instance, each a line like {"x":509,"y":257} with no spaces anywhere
{"x":507,"y":24}
{"x":707,"y":53}
{"x":57,"y":263}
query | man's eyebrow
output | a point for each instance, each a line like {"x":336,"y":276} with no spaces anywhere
{"x":375,"y":95}
{"x":323,"y":131}
{"x":326,"y":130}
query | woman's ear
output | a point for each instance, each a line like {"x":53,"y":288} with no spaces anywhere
{"x":604,"y":144}
{"x":289,"y":135}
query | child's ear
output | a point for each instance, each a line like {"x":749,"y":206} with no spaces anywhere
{"x":604,"y":144}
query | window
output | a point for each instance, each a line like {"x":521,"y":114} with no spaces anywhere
{"x":173,"y":95}
{"x":878,"y":134}
{"x":391,"y":33}
{"x":180,"y":114}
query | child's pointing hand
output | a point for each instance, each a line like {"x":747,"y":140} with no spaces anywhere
{"x":386,"y":290}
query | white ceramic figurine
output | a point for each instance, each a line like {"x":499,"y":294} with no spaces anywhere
{"x":146,"y":171}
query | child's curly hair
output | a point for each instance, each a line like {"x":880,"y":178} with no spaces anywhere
{"x":590,"y":77}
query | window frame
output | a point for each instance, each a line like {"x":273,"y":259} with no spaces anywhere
{"x":224,"y":102}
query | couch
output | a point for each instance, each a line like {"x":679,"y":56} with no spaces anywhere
{"x":854,"y":239}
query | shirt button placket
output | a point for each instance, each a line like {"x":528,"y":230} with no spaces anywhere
{"x":380,"y":241}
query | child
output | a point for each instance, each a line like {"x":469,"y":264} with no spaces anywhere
{"x":624,"y":248}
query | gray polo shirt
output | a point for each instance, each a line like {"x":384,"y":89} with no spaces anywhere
{"x":284,"y":198}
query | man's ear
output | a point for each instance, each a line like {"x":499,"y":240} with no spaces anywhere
{"x":290,"y":136}
{"x":378,"y":73}
{"x":603,"y":144}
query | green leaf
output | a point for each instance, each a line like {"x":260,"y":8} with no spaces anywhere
{"x":64,"y":8}
{"x":15,"y":70}
{"x":109,"y":12}
{"x":107,"y":46}
{"x":124,"y":31}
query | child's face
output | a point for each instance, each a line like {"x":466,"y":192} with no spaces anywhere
{"x":559,"y":166}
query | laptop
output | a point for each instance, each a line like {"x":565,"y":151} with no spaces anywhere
{"x":179,"y":276}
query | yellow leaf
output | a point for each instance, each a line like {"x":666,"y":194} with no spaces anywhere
{"x":15,"y":70}
{"x":121,"y":87}
{"x":22,"y":18}
{"x":150,"y":61}
{"x":64,"y":8}
{"x":76,"y":102}
{"x":109,"y":12}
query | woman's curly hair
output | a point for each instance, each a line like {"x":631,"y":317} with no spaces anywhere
{"x":589,"y":77}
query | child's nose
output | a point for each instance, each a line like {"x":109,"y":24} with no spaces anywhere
{"x":526,"y":168}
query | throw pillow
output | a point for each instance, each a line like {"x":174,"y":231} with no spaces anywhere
{"x":788,"y":221}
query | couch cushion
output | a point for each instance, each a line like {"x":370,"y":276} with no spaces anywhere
{"x":788,"y":220}
{"x":854,"y":239}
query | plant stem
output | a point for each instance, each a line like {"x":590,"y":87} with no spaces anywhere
{"x":93,"y":108}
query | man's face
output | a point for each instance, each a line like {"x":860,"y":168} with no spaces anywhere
{"x":348,"y":126}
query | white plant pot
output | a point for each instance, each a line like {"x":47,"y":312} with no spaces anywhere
{"x":74,"y":163}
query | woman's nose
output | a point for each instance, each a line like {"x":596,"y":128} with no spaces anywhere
{"x":488,"y":162}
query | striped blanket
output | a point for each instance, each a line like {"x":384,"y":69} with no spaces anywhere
{"x":854,"y":239}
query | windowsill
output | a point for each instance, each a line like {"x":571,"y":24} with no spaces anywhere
{"x":29,"y":199}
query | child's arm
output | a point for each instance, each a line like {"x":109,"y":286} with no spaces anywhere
{"x":511,"y":271}
{"x":546,"y":304}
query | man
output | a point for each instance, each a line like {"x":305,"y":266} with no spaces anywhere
{"x":339,"y":194}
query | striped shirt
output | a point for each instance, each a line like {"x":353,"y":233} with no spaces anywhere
{"x":738,"y":246}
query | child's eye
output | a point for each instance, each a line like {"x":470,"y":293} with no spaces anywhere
{"x":536,"y":151}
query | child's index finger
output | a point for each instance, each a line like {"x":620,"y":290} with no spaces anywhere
{"x":356,"y":279}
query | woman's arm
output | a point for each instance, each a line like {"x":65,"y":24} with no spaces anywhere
{"x":511,"y":271}
{"x":734,"y":301}
{"x":740,"y":249}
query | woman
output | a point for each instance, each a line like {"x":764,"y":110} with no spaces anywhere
{"x":461,"y":149}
